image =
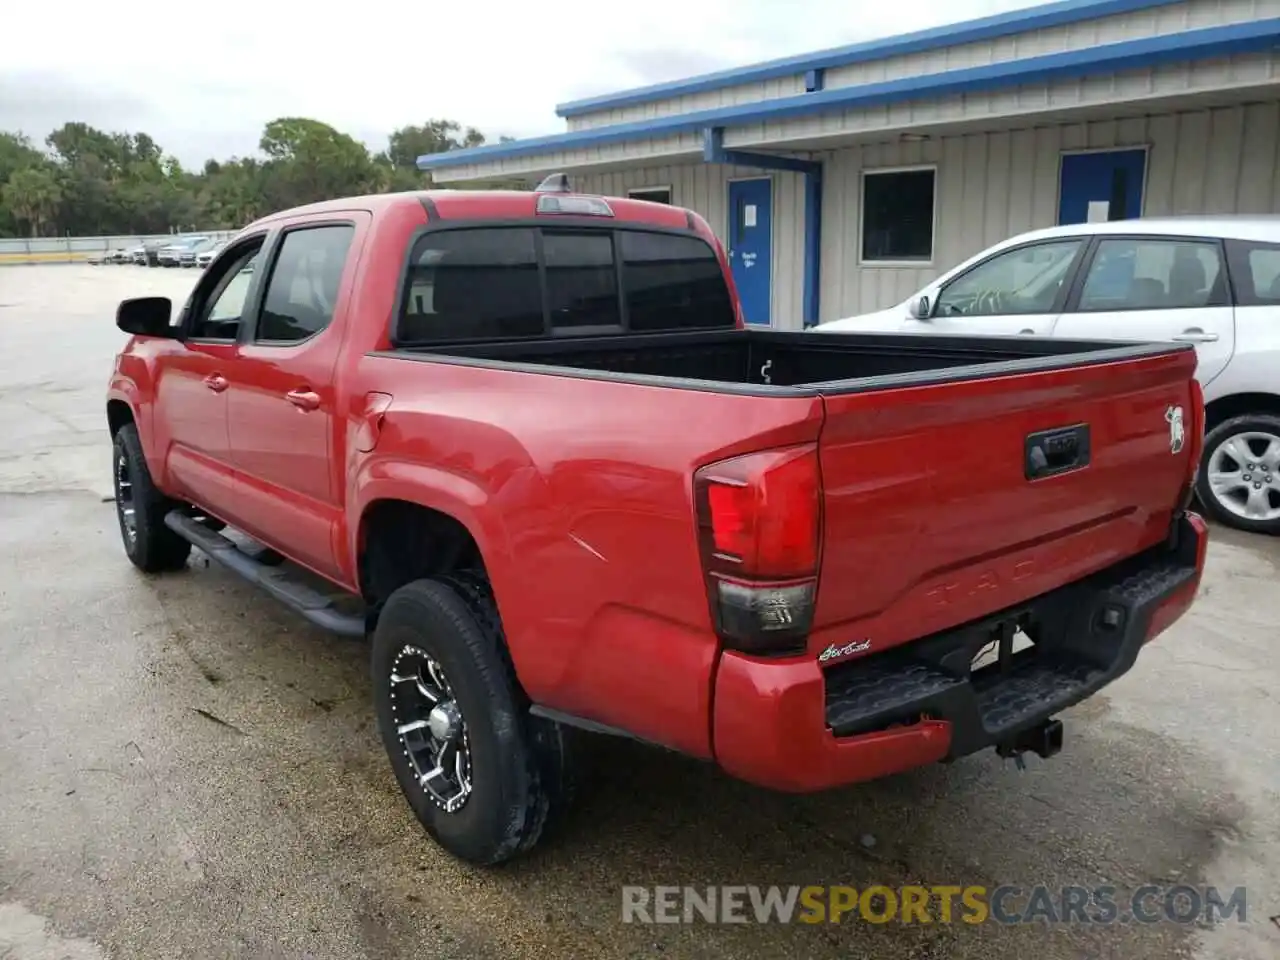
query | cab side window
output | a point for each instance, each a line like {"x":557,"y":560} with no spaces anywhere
{"x":220,"y":312}
{"x":302,"y":291}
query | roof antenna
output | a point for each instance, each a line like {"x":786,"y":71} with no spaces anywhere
{"x":556,"y":183}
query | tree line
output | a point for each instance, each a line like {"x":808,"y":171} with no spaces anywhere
{"x":88,"y":182}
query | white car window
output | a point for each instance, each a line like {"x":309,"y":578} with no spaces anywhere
{"x":1264,"y":272}
{"x":1022,"y":281}
{"x":1153,"y":274}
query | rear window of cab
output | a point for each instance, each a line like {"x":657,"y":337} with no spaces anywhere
{"x":507,"y":283}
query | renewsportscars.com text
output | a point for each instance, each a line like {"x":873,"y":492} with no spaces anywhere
{"x":935,"y":904}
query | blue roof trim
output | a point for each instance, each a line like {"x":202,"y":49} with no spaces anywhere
{"x":970,"y":31}
{"x":1234,"y":38}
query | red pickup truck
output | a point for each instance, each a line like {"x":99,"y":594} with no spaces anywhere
{"x":526,"y":443}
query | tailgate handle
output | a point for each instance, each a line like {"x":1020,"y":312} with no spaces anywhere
{"x":1051,"y":452}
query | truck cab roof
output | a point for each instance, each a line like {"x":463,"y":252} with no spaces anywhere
{"x":491,"y":205}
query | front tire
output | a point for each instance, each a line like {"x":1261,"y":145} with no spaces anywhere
{"x":1239,"y":478}
{"x":140,"y":509}
{"x":483,"y":776}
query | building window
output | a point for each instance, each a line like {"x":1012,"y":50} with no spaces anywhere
{"x":897,"y":216}
{"x":652,"y":194}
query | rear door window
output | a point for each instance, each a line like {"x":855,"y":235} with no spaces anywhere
{"x":1143,"y":273}
{"x":1255,"y":271}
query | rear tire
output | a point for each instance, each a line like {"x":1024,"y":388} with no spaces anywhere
{"x":490,"y":785}
{"x":1242,"y":447}
{"x":140,"y":509}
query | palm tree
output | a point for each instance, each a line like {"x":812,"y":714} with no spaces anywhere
{"x":33,"y":195}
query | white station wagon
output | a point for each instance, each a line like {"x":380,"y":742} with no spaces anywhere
{"x":1211,"y":281}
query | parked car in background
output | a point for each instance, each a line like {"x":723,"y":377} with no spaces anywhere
{"x":167,"y":254}
{"x":118,"y":255}
{"x":205,"y":256}
{"x":151,"y":251}
{"x":138,"y":255}
{"x":1211,"y":281}
{"x":171,"y":254}
{"x":190,"y":257}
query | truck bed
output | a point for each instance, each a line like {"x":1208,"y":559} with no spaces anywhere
{"x":767,"y":362}
{"x":989,"y":470}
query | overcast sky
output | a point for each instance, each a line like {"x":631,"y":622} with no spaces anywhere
{"x":203,"y":78}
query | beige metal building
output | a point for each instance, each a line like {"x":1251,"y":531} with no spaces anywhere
{"x":842,"y":181}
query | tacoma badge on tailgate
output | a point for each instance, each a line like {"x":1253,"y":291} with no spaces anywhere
{"x":1177,"y":435}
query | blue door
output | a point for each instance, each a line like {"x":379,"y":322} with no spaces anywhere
{"x":751,"y":245}
{"x":1110,"y":181}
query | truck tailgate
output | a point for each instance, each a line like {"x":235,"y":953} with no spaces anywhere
{"x":947,"y":502}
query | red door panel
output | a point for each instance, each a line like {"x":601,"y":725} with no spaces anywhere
{"x":281,"y":406}
{"x":191,"y":424}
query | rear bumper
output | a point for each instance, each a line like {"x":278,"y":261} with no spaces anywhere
{"x":793,"y":726}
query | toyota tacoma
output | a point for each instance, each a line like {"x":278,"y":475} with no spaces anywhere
{"x":525,"y":443}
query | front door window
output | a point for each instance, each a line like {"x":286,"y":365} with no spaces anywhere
{"x":1028,"y":280}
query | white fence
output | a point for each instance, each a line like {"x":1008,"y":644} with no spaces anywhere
{"x":78,"y":249}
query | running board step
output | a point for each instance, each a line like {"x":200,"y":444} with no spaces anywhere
{"x":307,"y":601}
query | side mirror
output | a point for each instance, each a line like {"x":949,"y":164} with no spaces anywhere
{"x":919,"y":309}
{"x":146,"y":317}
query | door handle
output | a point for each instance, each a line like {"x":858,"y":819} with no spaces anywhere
{"x":1027,"y":333}
{"x":1196,"y":335}
{"x":216,"y":382}
{"x":303,"y":399}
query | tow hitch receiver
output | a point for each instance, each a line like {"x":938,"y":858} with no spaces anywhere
{"x":1044,"y":739}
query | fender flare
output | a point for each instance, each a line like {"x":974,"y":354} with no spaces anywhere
{"x":125,"y":391}
{"x":449,"y":493}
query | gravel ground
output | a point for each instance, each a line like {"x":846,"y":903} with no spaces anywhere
{"x":189,"y":770}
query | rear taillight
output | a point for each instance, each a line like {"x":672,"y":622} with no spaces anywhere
{"x":758,"y":519}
